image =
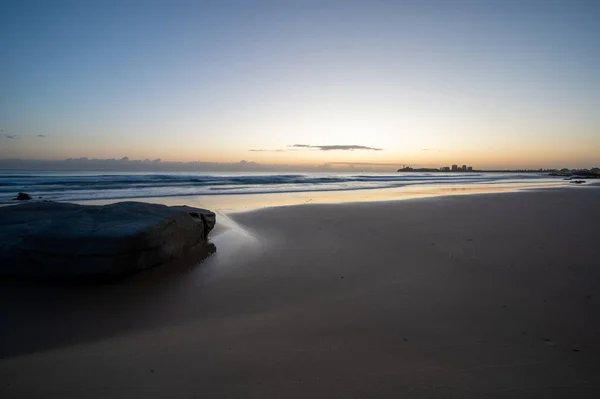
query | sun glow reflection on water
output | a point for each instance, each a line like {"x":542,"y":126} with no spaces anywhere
{"x":225,"y":204}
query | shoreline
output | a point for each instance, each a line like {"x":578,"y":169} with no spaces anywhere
{"x":234,"y":203}
{"x":240,"y":188}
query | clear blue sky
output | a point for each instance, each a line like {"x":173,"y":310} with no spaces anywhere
{"x":490,"y":83}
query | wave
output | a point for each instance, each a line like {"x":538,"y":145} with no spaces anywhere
{"x":79,"y":187}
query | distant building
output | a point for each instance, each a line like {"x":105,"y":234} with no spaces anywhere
{"x":464,"y":168}
{"x":455,"y":168}
{"x":469,"y":169}
{"x":445,"y":169}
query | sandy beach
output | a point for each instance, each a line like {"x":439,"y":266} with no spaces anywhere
{"x":486,"y":295}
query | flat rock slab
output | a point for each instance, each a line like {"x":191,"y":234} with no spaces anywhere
{"x":52,"y":239}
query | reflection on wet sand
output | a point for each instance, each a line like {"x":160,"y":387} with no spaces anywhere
{"x":225,"y":204}
{"x":57,"y":313}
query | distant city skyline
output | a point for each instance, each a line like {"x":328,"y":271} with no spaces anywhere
{"x":297,"y":85}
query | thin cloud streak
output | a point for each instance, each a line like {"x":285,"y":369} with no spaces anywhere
{"x":365,"y":163}
{"x":336,"y":147}
{"x":262,"y":150}
{"x":11,"y":136}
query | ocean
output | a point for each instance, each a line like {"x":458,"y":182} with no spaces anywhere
{"x":84,"y":185}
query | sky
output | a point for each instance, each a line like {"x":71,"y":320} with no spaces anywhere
{"x":493,"y":84}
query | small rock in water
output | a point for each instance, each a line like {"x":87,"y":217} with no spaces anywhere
{"x":22,"y":197}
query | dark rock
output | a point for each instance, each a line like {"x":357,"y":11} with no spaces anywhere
{"x":578,"y":174}
{"x":578,"y":181}
{"x":52,"y":239}
{"x":22,"y":197}
{"x":589,"y":174}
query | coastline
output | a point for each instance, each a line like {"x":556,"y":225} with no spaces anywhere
{"x":220,"y":188}
{"x":225,"y":204}
{"x":456,"y":296}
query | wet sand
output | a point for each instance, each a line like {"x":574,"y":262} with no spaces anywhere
{"x":493,"y":295}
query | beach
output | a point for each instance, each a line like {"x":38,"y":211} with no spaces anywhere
{"x":457,"y":296}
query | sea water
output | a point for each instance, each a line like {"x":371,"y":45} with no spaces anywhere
{"x":86,"y":185}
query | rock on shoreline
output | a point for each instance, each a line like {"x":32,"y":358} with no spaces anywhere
{"x":51,"y":239}
{"x":22,"y":197}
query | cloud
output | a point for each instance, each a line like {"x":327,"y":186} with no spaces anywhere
{"x":365,"y":163}
{"x":336,"y":147}
{"x":263,"y":150}
{"x":10,"y":160}
{"x":41,"y":135}
{"x":11,"y":136}
{"x":128,"y":164}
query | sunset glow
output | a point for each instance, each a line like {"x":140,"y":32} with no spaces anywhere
{"x":494,"y":84}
